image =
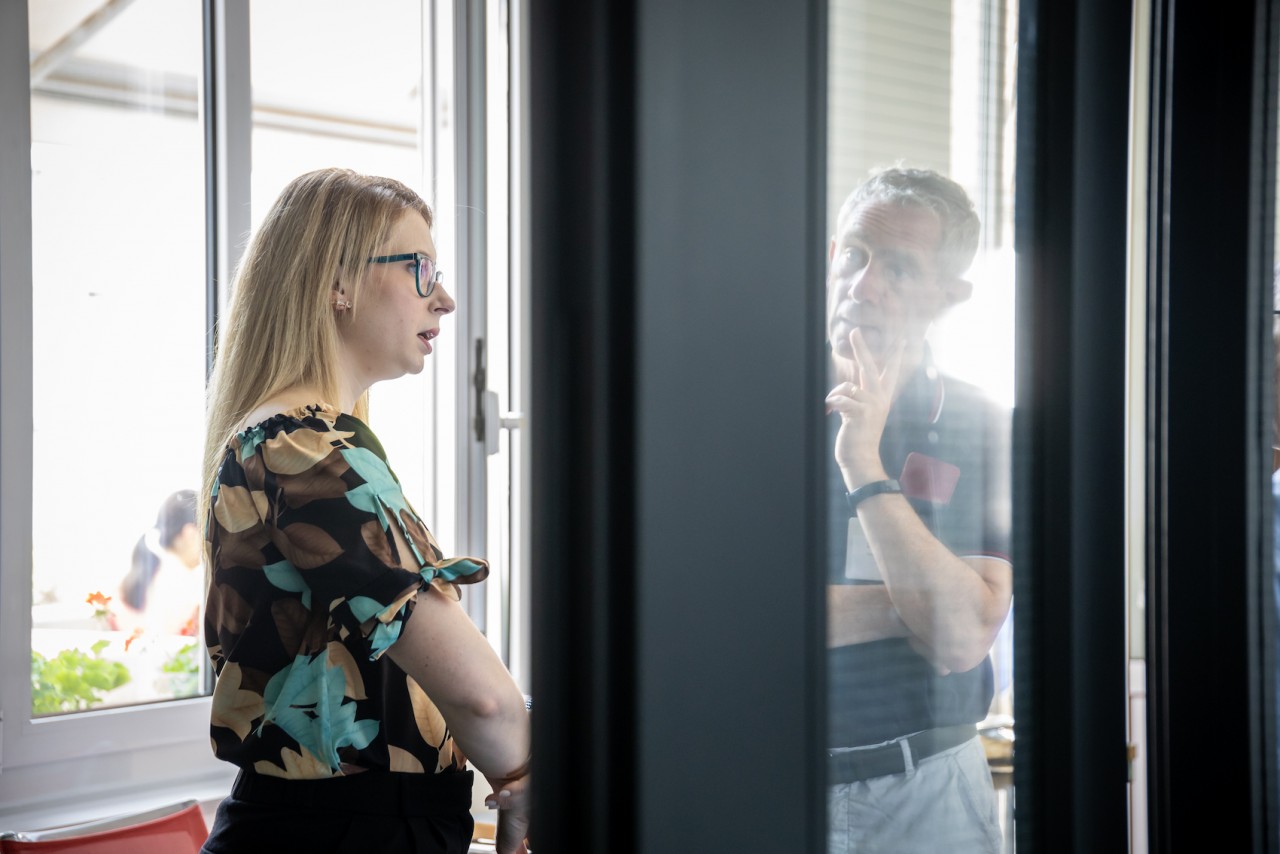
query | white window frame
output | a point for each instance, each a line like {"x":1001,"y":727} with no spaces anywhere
{"x":86,"y":765}
{"x":78,"y":766}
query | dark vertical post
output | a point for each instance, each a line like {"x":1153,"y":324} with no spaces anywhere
{"x":678,"y":192}
{"x":1213,"y":174}
{"x":1069,"y":555}
{"x":582,"y":288}
{"x":731,"y":133}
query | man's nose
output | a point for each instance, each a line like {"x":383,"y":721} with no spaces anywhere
{"x":865,"y":285}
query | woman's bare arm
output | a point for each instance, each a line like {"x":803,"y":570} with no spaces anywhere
{"x":445,"y":653}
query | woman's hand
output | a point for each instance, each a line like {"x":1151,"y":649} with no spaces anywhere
{"x":441,"y":648}
{"x":511,"y":800}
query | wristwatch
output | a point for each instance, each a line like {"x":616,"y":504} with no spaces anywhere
{"x":867,"y":490}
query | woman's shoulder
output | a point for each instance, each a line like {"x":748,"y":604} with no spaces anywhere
{"x":278,"y":413}
{"x":319,"y":427}
{"x":273,"y":418}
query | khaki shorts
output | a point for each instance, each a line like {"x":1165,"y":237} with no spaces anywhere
{"x":946,"y":803}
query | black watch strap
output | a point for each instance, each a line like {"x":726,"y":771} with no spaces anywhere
{"x":876,"y":487}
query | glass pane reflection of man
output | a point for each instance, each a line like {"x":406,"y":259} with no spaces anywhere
{"x":920,"y":580}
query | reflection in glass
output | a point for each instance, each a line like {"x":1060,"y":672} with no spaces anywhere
{"x":118,"y":350}
{"x":919,"y":321}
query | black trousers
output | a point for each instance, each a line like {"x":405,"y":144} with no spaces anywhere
{"x":370,"y":811}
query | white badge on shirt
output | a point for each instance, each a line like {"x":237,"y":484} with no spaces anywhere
{"x":859,"y":563}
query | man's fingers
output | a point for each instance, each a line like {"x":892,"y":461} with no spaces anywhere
{"x":859,"y":347}
{"x":843,"y":405}
{"x":844,"y":399}
{"x":868,"y":376}
{"x":893,"y":366}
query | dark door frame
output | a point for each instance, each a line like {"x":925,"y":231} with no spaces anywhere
{"x":678,"y":157}
{"x":1071,"y":222}
{"x":678,"y":206}
{"x":1210,"y":675}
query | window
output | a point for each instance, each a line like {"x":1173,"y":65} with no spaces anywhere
{"x":104,"y":316}
{"x":922,"y":86}
{"x":311,"y":111}
{"x":108,"y":297}
{"x":117,"y":317}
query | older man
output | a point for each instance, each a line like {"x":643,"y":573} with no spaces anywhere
{"x":921,"y":581}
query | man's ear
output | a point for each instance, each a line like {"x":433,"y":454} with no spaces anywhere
{"x":831,"y":251}
{"x":958,"y":290}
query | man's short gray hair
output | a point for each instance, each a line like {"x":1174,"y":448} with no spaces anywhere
{"x":934,"y":191}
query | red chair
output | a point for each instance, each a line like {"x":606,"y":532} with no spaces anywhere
{"x":174,"y":829}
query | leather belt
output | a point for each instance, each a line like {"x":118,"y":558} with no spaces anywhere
{"x":863,"y":763}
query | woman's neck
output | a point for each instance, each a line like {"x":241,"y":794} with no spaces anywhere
{"x":286,"y":400}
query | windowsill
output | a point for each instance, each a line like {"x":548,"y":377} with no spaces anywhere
{"x":208,"y":789}
{"x":104,"y":794}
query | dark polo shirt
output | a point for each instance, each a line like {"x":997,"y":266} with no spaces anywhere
{"x":883,"y":689}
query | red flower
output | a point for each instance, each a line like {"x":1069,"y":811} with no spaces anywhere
{"x":137,"y":633}
{"x":98,"y":600}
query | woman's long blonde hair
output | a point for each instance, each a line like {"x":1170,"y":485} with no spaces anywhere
{"x":281,"y":330}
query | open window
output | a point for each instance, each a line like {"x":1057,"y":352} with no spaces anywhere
{"x":158,"y":133}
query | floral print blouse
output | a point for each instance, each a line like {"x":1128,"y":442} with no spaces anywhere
{"x":317,"y":560}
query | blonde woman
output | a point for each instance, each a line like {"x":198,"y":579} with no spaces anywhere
{"x":350,"y":681}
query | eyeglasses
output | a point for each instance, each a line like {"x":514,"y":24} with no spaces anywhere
{"x":425,"y":274}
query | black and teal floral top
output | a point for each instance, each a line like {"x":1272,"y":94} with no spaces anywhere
{"x":317,"y":560}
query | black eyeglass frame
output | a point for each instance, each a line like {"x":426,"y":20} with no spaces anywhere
{"x":433,"y":277}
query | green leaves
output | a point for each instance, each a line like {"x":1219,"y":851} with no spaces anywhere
{"x":458,"y":567}
{"x":285,"y":576}
{"x":306,"y":701}
{"x":183,"y":671}
{"x":73,"y":680}
{"x":379,"y":493}
{"x":379,"y":484}
{"x":250,"y":440}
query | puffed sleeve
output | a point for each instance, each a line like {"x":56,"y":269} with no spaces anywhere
{"x":341,"y":534}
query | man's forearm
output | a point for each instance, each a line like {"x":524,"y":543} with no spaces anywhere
{"x":953,"y":605}
{"x":861,"y":613}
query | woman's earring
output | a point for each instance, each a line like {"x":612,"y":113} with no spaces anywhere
{"x":341,"y":304}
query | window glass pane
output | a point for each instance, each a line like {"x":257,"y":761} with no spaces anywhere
{"x":920,"y":311}
{"x":118,"y":250}
{"x":332,"y":88}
